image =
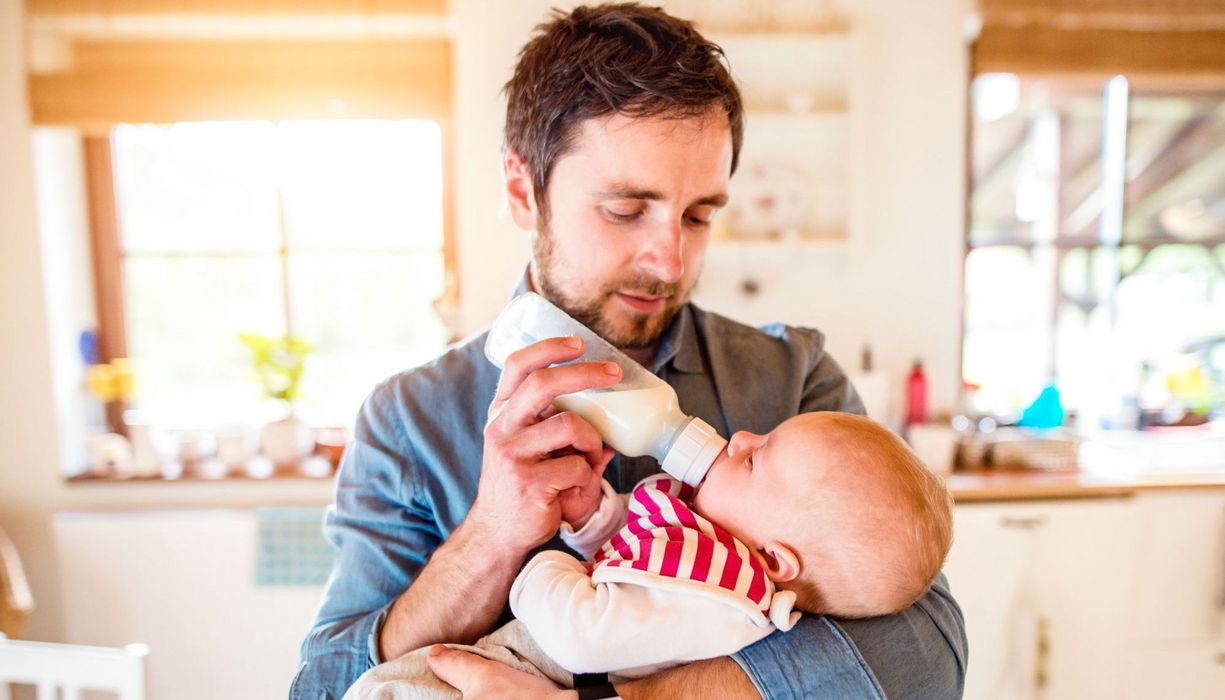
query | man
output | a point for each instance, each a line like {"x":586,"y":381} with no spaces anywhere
{"x":622,"y":131}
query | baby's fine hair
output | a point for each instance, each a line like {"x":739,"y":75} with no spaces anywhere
{"x":881,"y":549}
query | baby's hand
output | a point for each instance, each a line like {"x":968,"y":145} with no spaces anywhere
{"x":578,"y":503}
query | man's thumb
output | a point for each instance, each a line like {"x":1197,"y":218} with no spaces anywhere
{"x":448,"y":664}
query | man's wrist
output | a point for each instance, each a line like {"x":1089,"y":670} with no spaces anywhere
{"x":481,"y":550}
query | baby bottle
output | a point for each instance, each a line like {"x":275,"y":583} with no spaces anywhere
{"x":639,"y":416}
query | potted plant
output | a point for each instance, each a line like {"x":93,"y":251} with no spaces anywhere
{"x":278,"y":362}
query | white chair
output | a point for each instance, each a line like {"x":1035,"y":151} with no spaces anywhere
{"x":71,"y":669}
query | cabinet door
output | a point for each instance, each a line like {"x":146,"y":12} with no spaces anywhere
{"x":1189,"y":672}
{"x":1042,"y":589}
{"x":990,"y":571}
{"x":1085,"y":554}
{"x":1180,"y":569}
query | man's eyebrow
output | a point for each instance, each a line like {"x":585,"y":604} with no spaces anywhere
{"x":631,"y":192}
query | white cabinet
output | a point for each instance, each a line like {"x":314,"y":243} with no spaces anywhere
{"x":1095,"y":598}
{"x":1176,"y":630}
{"x":1042,"y":588}
{"x":1186,"y":672}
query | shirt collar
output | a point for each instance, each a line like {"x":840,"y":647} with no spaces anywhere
{"x":678,"y":344}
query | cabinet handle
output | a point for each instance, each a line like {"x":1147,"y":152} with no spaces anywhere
{"x":1023,"y":523}
{"x":1042,"y":657}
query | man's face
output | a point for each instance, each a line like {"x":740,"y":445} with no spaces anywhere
{"x":629,"y":217}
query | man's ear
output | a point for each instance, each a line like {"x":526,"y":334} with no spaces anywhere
{"x":781,"y":562}
{"x":520,"y":195}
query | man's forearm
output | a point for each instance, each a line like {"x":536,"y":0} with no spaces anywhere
{"x":456,"y":598}
{"x":713,"y":678}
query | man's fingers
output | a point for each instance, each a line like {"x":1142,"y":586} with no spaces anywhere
{"x":557,"y":432}
{"x":455,"y":668}
{"x":538,"y":390}
{"x":524,"y":361}
{"x":563,"y":473}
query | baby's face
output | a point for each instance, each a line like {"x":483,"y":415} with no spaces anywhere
{"x":762,"y":482}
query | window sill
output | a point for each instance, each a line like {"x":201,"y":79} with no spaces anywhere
{"x":287,"y":476}
{"x":86,"y":493}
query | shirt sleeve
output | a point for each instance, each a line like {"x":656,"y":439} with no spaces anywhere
{"x":383,"y":537}
{"x":919,"y":653}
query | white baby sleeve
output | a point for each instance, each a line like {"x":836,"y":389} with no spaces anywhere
{"x":631,"y":629}
{"x":603,"y":524}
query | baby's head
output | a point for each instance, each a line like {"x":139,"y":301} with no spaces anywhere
{"x":840,"y":509}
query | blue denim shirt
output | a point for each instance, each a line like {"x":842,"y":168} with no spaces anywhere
{"x":410,"y":475}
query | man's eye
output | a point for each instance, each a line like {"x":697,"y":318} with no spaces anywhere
{"x":698,"y":221}
{"x":622,"y":217}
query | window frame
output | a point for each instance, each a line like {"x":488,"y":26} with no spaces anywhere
{"x":106,"y":253}
{"x":1061,"y":245}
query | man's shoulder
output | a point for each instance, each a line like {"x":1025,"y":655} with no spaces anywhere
{"x":454,"y":381}
{"x":719,"y":330}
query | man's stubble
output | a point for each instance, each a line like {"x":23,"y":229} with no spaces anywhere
{"x":643,"y":330}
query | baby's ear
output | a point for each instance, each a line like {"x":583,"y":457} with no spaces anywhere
{"x":781,"y":562}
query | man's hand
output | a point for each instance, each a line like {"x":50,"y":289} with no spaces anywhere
{"x":533,"y":453}
{"x":476,"y":678}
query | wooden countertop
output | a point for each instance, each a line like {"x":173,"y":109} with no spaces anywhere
{"x":1015,"y":485}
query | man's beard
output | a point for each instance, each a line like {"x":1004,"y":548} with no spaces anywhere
{"x":641,"y":331}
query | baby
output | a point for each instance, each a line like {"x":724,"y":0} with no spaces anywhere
{"x":829,"y":513}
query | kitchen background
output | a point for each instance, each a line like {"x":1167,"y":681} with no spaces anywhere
{"x":866,"y":130}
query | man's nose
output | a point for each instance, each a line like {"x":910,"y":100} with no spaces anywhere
{"x":663,"y":257}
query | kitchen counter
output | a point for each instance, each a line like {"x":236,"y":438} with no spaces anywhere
{"x":1014,"y":485}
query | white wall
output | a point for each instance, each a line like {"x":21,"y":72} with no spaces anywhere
{"x":29,"y":457}
{"x":189,"y":605}
{"x":897,"y":283}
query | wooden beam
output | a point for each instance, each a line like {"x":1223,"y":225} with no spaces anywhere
{"x":447,"y":307}
{"x":1196,"y":56}
{"x":1185,"y":148}
{"x":1105,"y":14}
{"x":171,"y":81}
{"x":61,"y":8}
{"x":107,"y":257}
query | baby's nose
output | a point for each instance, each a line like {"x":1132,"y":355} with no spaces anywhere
{"x":738,"y":441}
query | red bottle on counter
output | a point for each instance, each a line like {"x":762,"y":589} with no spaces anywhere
{"x":916,"y":395}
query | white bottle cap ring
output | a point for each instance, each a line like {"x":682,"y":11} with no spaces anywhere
{"x":693,"y":451}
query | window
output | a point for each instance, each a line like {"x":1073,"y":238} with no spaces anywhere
{"x":1096,"y":248}
{"x":328,"y":231}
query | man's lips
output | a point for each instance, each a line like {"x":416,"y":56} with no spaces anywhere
{"x":641,"y":304}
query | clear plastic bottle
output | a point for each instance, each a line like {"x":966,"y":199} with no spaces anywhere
{"x":639,"y":416}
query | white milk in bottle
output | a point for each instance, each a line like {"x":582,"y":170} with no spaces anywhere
{"x":639,"y":416}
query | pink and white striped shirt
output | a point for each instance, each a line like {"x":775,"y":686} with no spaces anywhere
{"x":664,"y":541}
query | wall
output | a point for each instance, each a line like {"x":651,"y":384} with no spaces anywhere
{"x":190,"y":606}
{"x":896,"y":284}
{"x":29,"y":474}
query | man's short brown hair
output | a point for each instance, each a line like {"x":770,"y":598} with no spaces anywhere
{"x":621,"y":58}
